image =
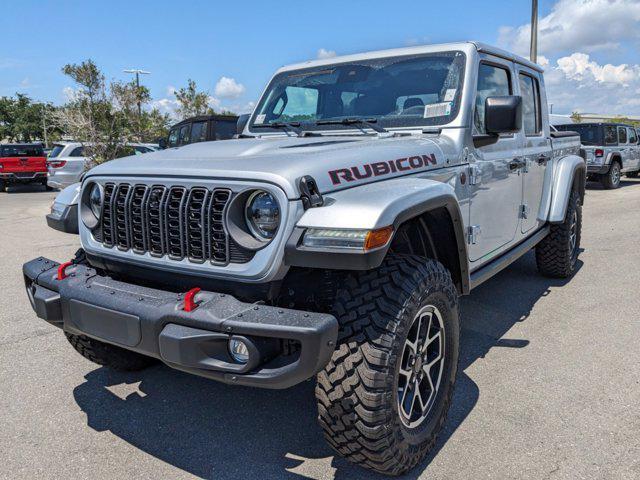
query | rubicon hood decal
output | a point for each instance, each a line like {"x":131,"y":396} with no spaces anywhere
{"x":378,"y":169}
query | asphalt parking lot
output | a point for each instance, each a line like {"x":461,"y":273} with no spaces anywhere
{"x":549,"y":382}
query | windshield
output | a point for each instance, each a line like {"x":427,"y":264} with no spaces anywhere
{"x":589,"y":134}
{"x":408,"y":91}
{"x":21,"y":151}
{"x":55,"y":151}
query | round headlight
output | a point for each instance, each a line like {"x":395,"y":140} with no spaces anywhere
{"x":95,"y":200}
{"x":262,"y":215}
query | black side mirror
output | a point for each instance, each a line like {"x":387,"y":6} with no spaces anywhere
{"x":503,"y":114}
{"x":162,"y":143}
{"x":242,"y":122}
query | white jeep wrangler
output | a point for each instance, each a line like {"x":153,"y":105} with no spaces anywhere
{"x":333,"y":238}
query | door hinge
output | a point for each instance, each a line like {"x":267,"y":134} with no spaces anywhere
{"x":524,"y":211}
{"x":474,"y":175}
{"x":473,"y":234}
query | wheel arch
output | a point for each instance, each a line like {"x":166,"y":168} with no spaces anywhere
{"x":438,"y":234}
{"x":570,"y":173}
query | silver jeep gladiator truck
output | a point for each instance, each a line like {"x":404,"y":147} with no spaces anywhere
{"x":610,"y":150}
{"x":333,"y":239}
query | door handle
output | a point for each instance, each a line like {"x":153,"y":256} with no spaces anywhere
{"x":543,"y":159}
{"x":516,"y":164}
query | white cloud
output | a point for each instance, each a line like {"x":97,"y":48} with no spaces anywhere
{"x":585,"y":25}
{"x":323,"y":53}
{"x":228,"y":88}
{"x":25,"y":82}
{"x":577,"y":83}
{"x":70,"y":94}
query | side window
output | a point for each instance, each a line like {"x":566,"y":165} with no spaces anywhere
{"x":530,"y":105}
{"x":184,"y":134}
{"x":173,"y":138}
{"x":77,"y":152}
{"x":622,"y":135}
{"x":610,"y":136}
{"x":198,"y":132}
{"x":633,"y":136}
{"x":224,"y":130}
{"x":492,"y":81}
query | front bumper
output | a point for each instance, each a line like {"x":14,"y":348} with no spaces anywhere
{"x":153,"y":322}
{"x":23,"y":177}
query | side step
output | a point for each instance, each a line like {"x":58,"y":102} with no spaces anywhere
{"x":489,"y":270}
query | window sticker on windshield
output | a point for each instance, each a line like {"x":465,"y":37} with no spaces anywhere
{"x":450,"y":95}
{"x":437,"y":110}
{"x":260,"y":118}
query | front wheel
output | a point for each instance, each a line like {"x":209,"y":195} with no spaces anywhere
{"x":3,"y":186}
{"x":557,"y":254}
{"x":384,"y":396}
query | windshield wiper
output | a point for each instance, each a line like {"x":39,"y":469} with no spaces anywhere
{"x":367,"y":122}
{"x":294,"y":127}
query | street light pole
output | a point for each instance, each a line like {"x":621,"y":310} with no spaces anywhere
{"x":138,"y":72}
{"x":533,"y":52}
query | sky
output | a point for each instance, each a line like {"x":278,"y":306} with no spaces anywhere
{"x":590,"y":48}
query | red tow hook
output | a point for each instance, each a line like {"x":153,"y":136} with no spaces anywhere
{"x":190,"y":303}
{"x":61,"y":270}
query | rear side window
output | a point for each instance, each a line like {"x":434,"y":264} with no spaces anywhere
{"x":492,"y":81}
{"x":77,"y":152}
{"x":225,"y":130}
{"x":530,"y":105}
{"x":198,"y":132}
{"x":21,"y":151}
{"x":622,"y":134}
{"x":633,"y":137}
{"x":610,"y":136}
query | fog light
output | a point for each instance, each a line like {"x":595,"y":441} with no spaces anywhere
{"x":238,"y":350}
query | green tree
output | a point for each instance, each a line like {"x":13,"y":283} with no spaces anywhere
{"x":191,"y":102}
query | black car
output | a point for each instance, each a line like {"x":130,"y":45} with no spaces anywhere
{"x":203,"y":128}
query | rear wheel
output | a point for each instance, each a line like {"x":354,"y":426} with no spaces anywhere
{"x":557,"y":254}
{"x":3,"y":186}
{"x":108,"y":355}
{"x":611,"y":179}
{"x":633,"y":174}
{"x":384,"y":396}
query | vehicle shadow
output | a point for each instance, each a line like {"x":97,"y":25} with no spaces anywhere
{"x":26,"y":188}
{"x":218,"y":431}
{"x":624,"y":182}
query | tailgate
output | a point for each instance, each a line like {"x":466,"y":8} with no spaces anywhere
{"x":23,"y":164}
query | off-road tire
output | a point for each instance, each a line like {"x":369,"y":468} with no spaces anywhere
{"x":109,"y":355}
{"x":611,"y":179}
{"x":357,"y":392}
{"x":555,"y":255}
{"x":635,"y":174}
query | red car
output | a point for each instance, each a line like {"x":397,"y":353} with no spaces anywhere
{"x":22,"y":163}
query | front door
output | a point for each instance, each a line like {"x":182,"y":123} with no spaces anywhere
{"x":497,"y":192}
{"x":536,"y":152}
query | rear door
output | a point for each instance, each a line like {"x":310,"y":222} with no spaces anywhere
{"x":634,"y":149}
{"x":537,"y":151}
{"x":625,"y":149}
{"x":496,"y":196}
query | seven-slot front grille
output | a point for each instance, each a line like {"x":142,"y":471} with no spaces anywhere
{"x":177,"y":222}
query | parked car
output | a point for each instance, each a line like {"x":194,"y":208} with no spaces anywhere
{"x":203,"y":128}
{"x":609,"y":149}
{"x":22,"y":163}
{"x":334,"y":243}
{"x":67,"y":161}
